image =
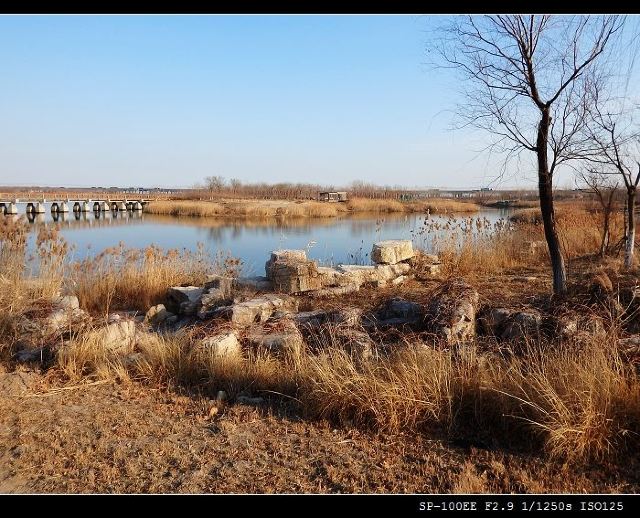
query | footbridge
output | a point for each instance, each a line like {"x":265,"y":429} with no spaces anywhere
{"x":62,"y":205}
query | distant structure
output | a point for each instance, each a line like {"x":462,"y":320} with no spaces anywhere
{"x":332,"y":196}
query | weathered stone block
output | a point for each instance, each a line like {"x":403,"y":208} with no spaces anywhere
{"x":157,"y":315}
{"x":222,"y":345}
{"x":392,"y":251}
{"x":258,"y":309}
{"x":256,"y":283}
{"x":452,"y":312}
{"x":184,"y":300}
{"x":522,"y":325}
{"x":118,"y":337}
{"x":285,"y":343}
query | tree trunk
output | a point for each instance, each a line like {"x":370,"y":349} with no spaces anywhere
{"x":604,"y":245}
{"x":631,"y":227}
{"x":545,"y":188}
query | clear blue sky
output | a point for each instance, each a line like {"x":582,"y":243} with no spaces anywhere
{"x":168,"y":100}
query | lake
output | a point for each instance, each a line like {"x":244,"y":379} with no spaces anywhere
{"x":344,"y":239}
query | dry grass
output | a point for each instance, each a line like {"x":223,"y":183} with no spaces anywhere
{"x":443,"y":206}
{"x":132,"y":279}
{"x":370,"y":205}
{"x":580,"y":403}
{"x":198,"y":209}
{"x":304,"y":209}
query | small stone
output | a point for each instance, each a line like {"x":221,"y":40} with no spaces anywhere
{"x":157,"y":315}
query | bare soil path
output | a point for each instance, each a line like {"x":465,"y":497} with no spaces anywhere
{"x":131,"y":438}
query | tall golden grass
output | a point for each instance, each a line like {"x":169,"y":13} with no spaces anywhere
{"x":133,"y":279}
{"x":304,"y":209}
{"x":185,"y":208}
{"x":581,"y":403}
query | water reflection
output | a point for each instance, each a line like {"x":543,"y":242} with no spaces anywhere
{"x":346,"y":238}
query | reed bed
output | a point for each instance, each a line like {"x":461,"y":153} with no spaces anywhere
{"x":304,"y":209}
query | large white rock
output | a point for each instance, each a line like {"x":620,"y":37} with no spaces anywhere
{"x":392,"y":251}
{"x":118,"y":337}
{"x":284,"y":343}
{"x":222,"y":345}
{"x":258,"y":309}
{"x":184,"y":300}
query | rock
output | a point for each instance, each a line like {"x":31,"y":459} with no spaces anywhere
{"x":491,"y":320}
{"x":157,"y":315}
{"x":332,"y":277}
{"x":30,"y":355}
{"x":392,"y":251}
{"x":114,"y":317}
{"x":347,"y":317}
{"x":355,"y":274}
{"x":219,"y":282}
{"x":398,"y":311}
{"x":63,"y":318}
{"x":118,"y":337}
{"x":295,"y":276}
{"x":334,"y":291}
{"x":311,"y":318}
{"x":629,"y":346}
{"x":222,"y":345}
{"x":184,"y":300}
{"x":522,"y":325}
{"x":400,"y":280}
{"x":452,"y":312}
{"x":69,"y":302}
{"x":172,"y":320}
{"x":258,"y":309}
{"x":357,"y":343}
{"x":291,"y":272}
{"x":565,"y":326}
{"x":212,"y":299}
{"x":246,"y":400}
{"x":286,"y":343}
{"x":256,"y":283}
{"x":377,"y":275}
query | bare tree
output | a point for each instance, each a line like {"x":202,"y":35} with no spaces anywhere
{"x":605,"y":189}
{"x":214,"y":184}
{"x":525,"y":80}
{"x":616,"y":139}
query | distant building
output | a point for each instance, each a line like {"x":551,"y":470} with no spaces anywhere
{"x":332,"y":196}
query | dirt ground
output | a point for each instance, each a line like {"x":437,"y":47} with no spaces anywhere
{"x":111,"y":438}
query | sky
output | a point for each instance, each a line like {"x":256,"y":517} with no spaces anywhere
{"x":164,"y":101}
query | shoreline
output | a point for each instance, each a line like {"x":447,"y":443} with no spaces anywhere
{"x":249,"y":208}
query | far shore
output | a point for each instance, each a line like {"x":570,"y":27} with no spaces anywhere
{"x":304,"y":208}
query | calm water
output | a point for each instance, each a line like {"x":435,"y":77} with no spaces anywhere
{"x":344,"y":239}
